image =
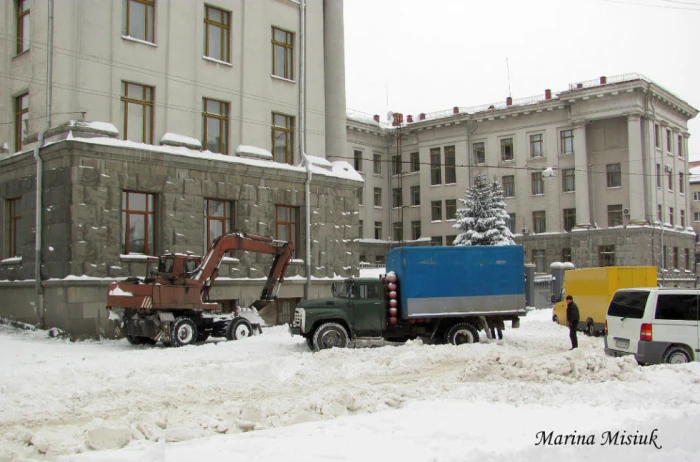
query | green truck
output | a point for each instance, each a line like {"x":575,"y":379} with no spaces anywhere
{"x":446,"y":294}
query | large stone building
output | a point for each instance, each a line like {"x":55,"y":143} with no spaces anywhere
{"x":595,"y":175}
{"x":205,"y":119}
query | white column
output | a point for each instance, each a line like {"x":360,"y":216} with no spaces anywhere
{"x":334,"y":70}
{"x":636,"y":169}
{"x":583,"y":213}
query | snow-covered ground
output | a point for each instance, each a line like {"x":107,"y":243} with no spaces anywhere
{"x":268,"y":398}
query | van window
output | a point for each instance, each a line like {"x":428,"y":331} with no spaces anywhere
{"x":678,"y":307}
{"x":628,"y":304}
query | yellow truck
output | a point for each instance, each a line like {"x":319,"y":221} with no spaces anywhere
{"x":593,"y":288}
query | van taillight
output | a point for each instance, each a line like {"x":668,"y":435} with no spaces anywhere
{"x":606,"y":327}
{"x":645,"y":333}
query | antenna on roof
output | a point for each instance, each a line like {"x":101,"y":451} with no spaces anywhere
{"x":508,"y":68}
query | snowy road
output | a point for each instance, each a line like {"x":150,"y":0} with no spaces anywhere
{"x":423,"y":402}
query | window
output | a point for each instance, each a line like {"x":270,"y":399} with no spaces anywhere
{"x":508,"y":183}
{"x":614,"y":175}
{"x":677,"y":307}
{"x":450,"y":168}
{"x":614,"y":215}
{"x":696,"y":216}
{"x":23,"y":25}
{"x":217,"y":33}
{"x":377,"y":229}
{"x":567,"y":141}
{"x":14,"y":221}
{"x":536,"y":145}
{"x":435,"y":174}
{"x":569,"y":219}
{"x":21,"y":120}
{"x":358,"y":160}
{"x":415,"y":230}
{"x":566,"y":254}
{"x":361,"y":231}
{"x":680,"y":182}
{"x":479,"y":153}
{"x":380,"y":260}
{"x":680,"y":145}
{"x":138,"y":19}
{"x":657,"y":136}
{"x":663,"y":257}
{"x":286,"y":226}
{"x":282,"y":54}
{"x":436,"y":210}
{"x":538,"y":260}
{"x":377,"y":197}
{"x":687,"y":259}
{"x":415,"y":195}
{"x":415,"y":162}
{"x":606,"y":255}
{"x":398,"y":231}
{"x":215,"y":118}
{"x":436,"y":240}
{"x":669,"y":175}
{"x":669,"y":141}
{"x":659,"y":212}
{"x":138,"y":223}
{"x":450,"y":240}
{"x":568,"y":180}
{"x":670,"y":216}
{"x":696,"y":196}
{"x":675,"y":257}
{"x":361,"y":196}
{"x":283,"y":138}
{"x":510,"y":223}
{"x":682,"y":218}
{"x":218,"y":218}
{"x":397,"y":199}
{"x":377,"y":163}
{"x":396,"y":165}
{"x":537,"y":184}
{"x":137,"y":103}
{"x":658,"y":175}
{"x":539,"y":221}
{"x":507,"y":149}
{"x":450,"y":209}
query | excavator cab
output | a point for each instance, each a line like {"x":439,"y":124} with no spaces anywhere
{"x":172,"y":266}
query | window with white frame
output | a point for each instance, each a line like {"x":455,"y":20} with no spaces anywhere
{"x":450,"y":209}
{"x":138,"y":19}
{"x":415,"y":195}
{"x":613,"y":175}
{"x":536,"y":142}
{"x":436,"y":210}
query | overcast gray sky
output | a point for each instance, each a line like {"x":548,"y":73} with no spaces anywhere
{"x":433,"y":55}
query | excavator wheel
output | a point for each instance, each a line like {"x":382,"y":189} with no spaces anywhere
{"x":134,"y":340}
{"x":239,"y":328}
{"x":183,"y":331}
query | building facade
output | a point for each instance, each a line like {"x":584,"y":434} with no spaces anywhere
{"x":595,"y":174}
{"x":165,"y":124}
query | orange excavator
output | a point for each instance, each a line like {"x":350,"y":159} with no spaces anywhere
{"x":172,"y":305}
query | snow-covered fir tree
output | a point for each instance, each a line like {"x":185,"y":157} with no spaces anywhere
{"x":483,"y":219}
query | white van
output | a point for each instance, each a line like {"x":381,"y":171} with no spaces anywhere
{"x":656,"y":325}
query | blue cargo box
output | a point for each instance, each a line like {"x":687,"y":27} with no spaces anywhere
{"x":454,"y":281}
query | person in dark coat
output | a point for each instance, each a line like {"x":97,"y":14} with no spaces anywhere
{"x":572,"y":319}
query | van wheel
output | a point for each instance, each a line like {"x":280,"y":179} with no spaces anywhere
{"x":330,"y":335}
{"x":461,"y":333}
{"x":676,"y":355}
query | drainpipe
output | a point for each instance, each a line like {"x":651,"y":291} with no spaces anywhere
{"x":40,"y":173}
{"x":302,"y":140}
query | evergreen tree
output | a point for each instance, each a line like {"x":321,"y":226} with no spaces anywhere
{"x":482,"y":221}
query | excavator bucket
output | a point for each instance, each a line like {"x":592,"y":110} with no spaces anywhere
{"x":260,"y":304}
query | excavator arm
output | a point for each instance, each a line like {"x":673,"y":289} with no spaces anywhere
{"x":209,"y":268}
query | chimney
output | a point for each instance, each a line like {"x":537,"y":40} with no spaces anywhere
{"x":376,"y":118}
{"x":421,"y":116}
{"x":455,"y":110}
{"x":603,"y":80}
{"x":398,"y":119}
{"x":409,"y":119}
{"x":579,"y":85}
{"x":509,"y":101}
{"x":548,"y":94}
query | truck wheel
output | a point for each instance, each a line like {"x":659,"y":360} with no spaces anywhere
{"x":460,"y":333}
{"x":239,"y":328}
{"x":676,"y":355}
{"x":330,"y":335}
{"x":310,"y":342}
{"x":183,"y":332}
{"x":590,"y":329}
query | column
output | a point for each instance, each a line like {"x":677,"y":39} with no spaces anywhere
{"x":636,"y":178}
{"x":334,"y":67}
{"x":583,"y":213}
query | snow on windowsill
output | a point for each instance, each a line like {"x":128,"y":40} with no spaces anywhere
{"x":277,"y":77}
{"x":11,"y":261}
{"x":143,"y":42}
{"x":101,"y":126}
{"x":230,"y":260}
{"x":173,"y":139}
{"x":136,"y":257}
{"x":253,"y":151}
{"x":297,"y":261}
{"x":217,"y":61}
